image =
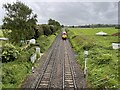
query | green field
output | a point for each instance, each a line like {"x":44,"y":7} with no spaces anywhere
{"x":90,"y":31}
{"x":102,"y":61}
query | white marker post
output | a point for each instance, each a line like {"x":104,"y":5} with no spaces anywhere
{"x":85,"y":69}
{"x":33,"y":58}
{"x":38,"y":51}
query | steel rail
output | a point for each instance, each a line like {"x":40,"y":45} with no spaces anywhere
{"x":51,"y":76}
{"x":46,"y":65}
{"x":63,"y":69}
{"x":70,"y":66}
{"x":72,"y":72}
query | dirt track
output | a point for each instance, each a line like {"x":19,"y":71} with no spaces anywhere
{"x":58,"y":69}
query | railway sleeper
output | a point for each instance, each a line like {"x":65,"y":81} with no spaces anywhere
{"x":69,"y":80}
{"x":69,"y":88}
{"x":44,"y":81}
{"x":43,"y":85}
{"x":69,"y":85}
{"x":68,"y":75}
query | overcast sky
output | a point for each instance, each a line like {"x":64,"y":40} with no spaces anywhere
{"x":71,"y":12}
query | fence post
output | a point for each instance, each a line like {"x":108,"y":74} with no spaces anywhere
{"x":85,"y":68}
{"x":33,"y":58}
{"x":38,"y":51}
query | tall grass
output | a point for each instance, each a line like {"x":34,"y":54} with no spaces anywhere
{"x":102,"y":59}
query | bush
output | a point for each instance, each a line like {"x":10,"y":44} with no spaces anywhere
{"x":46,"y":29}
{"x":9,"y":53}
{"x":38,"y":31}
{"x":52,"y":28}
{"x":43,"y":43}
{"x":14,"y":73}
{"x":8,"y":76}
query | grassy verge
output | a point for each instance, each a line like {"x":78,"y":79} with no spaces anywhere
{"x":102,"y":61}
{"x":44,"y":42}
{"x":13,"y":73}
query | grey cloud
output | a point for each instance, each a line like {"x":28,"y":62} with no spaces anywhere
{"x":75,"y":13}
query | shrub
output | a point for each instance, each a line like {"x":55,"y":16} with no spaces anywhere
{"x":8,"y":76}
{"x":52,"y":28}
{"x":46,"y":29}
{"x":13,"y":73}
{"x":9,"y":53}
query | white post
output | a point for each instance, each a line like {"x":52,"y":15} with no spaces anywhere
{"x":37,"y":50}
{"x":33,"y":58}
{"x":33,"y":69}
{"x":85,"y":69}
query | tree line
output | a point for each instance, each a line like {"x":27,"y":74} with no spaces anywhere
{"x":95,"y":26}
{"x":20,"y":23}
{"x":47,"y":29}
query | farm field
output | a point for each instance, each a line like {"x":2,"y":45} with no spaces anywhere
{"x":91,"y":31}
{"x":102,"y":63}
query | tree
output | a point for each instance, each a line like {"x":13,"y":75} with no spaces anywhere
{"x":51,"y":22}
{"x":62,"y":26}
{"x":46,"y":29}
{"x":52,"y":28}
{"x":20,"y":20}
{"x":38,"y":31}
{"x":56,"y":24}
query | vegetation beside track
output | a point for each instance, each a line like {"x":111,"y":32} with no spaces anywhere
{"x":1,"y":33}
{"x":102,"y":60}
{"x":14,"y":72}
{"x":16,"y":53}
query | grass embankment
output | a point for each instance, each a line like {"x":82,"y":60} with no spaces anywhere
{"x":44,"y":42}
{"x":13,"y":73}
{"x":102,"y":60}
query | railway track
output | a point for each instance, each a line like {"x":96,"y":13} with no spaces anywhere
{"x":59,"y":70}
{"x":68,"y":73}
{"x":44,"y":80}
